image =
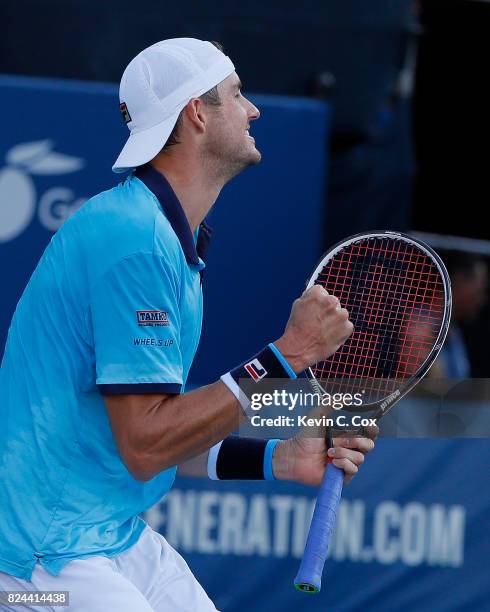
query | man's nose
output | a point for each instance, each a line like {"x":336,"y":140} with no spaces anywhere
{"x":253,"y":112}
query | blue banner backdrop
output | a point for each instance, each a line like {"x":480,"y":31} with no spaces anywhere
{"x":412,"y":534}
{"x":413,"y":531}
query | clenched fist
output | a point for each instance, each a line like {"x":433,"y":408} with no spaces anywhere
{"x":317,"y":327}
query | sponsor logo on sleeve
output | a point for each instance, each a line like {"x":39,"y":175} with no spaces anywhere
{"x":162,"y":342}
{"x":255,"y":369}
{"x":152,"y":318}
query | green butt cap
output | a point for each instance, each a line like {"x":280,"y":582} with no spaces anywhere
{"x":305,"y":587}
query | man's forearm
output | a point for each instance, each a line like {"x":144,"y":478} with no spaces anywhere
{"x":174,"y":428}
{"x":196,"y":467}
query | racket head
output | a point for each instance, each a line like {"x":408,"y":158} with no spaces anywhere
{"x":398,"y":294}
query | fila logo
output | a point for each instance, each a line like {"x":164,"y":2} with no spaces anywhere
{"x":156,"y":318}
{"x":125,"y":113}
{"x":255,"y":369}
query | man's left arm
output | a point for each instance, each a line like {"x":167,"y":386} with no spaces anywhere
{"x":302,"y":459}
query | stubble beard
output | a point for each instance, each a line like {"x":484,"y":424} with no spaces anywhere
{"x":227,"y":164}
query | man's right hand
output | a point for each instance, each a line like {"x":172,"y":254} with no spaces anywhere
{"x":317,"y":327}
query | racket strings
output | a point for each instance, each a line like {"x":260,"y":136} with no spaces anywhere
{"x":395,"y":297}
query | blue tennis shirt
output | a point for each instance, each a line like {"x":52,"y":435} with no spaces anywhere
{"x":114,"y":306}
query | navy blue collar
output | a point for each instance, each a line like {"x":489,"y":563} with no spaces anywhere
{"x":158,"y":185}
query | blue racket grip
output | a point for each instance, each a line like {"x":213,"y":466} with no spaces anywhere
{"x":309,"y":577}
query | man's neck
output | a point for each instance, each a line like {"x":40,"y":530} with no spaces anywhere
{"x":193,"y":185}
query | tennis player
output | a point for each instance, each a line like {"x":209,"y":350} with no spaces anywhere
{"x":94,"y":414}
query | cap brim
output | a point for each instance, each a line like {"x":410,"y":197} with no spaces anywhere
{"x":143,"y":146}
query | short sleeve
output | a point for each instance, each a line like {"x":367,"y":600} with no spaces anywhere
{"x":136,"y":327}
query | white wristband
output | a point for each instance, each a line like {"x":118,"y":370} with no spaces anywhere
{"x":230,"y":382}
{"x":212,"y":459}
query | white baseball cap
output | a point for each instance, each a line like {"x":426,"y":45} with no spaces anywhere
{"x":156,"y":86}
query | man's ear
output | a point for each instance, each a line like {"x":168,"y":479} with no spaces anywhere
{"x":196,"y":116}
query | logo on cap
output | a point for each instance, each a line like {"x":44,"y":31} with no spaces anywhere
{"x":124,"y":112}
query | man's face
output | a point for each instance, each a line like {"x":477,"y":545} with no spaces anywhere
{"x":228,"y":142}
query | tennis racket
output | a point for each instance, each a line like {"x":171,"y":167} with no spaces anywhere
{"x":398,"y":295}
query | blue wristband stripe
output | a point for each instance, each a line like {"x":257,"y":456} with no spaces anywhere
{"x":290,"y":372}
{"x":268,"y":453}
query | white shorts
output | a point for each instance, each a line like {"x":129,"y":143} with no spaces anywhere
{"x":148,"y":577}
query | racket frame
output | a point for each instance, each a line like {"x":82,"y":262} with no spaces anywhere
{"x":384,"y":405}
{"x":308,"y":579}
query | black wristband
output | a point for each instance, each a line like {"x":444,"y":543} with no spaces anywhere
{"x":269,"y":363}
{"x":242,"y":459}
{"x":265,"y":364}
